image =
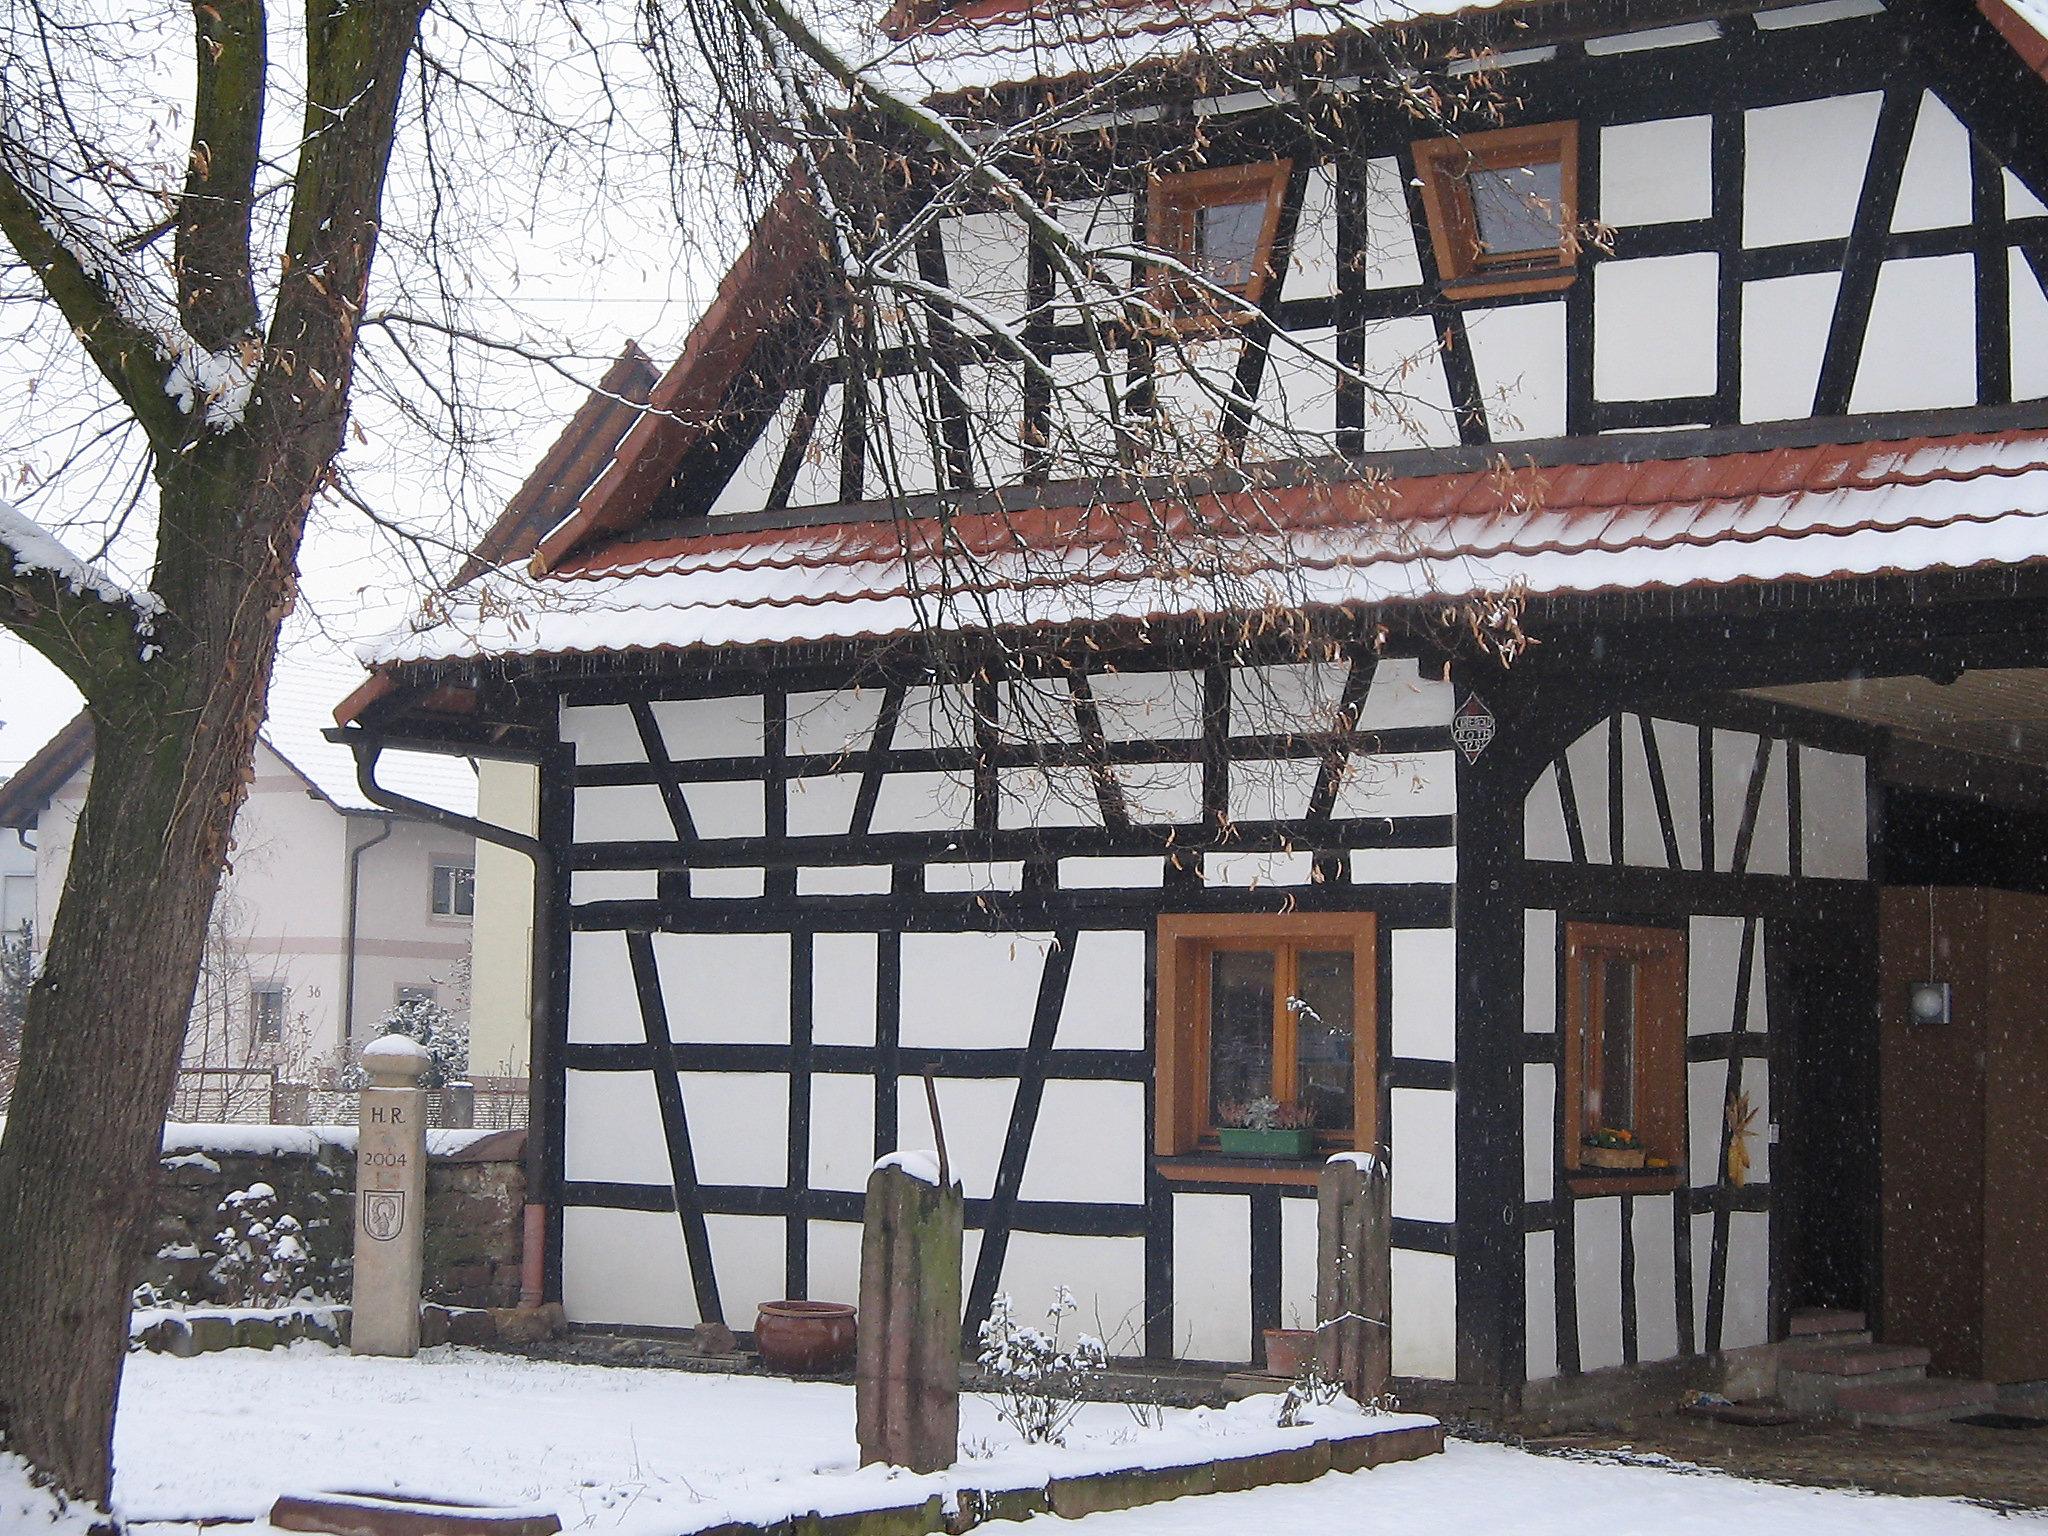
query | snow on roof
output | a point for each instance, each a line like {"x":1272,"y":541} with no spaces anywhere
{"x":303,"y":693}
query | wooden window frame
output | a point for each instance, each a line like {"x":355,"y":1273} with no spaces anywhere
{"x":1467,"y":270}
{"x":1172,"y":203}
{"x":1181,"y":1125}
{"x":1659,"y":1090}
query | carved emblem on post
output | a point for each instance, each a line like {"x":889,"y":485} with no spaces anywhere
{"x":383,"y":1213}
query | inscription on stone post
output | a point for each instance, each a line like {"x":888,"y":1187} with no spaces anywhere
{"x":391,"y":1199}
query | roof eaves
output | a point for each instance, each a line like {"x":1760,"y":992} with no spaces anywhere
{"x":26,"y":793}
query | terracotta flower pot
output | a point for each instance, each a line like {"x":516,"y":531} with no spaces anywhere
{"x":805,"y":1338}
{"x":1289,"y":1350}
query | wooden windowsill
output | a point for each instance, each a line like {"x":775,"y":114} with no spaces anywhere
{"x":1491,"y":285}
{"x":1215,"y":1168}
{"x":1624,"y":1181}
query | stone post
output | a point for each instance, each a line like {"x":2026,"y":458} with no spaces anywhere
{"x":1355,"y":1275}
{"x":907,"y":1370}
{"x":391,"y":1199}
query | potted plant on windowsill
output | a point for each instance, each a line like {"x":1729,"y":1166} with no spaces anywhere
{"x":1610,"y":1148}
{"x":1265,"y":1127}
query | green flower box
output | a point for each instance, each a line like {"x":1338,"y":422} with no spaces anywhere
{"x":1242,"y":1141}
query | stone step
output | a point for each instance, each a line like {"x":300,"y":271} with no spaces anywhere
{"x":1808,"y":1321}
{"x":1851,"y":1360}
{"x":1932,"y":1400}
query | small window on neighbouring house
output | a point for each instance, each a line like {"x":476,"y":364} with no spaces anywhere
{"x":266,"y":1012}
{"x":1624,"y":1048}
{"x":408,"y":993}
{"x":454,"y":890}
{"x":1221,"y":223}
{"x":1503,"y":208}
{"x":1273,"y":1009}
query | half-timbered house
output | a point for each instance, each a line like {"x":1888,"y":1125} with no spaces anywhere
{"x":1712,"y":366}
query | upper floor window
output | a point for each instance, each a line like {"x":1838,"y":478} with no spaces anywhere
{"x":454,"y":890}
{"x":1503,"y":208}
{"x":266,"y":1012}
{"x":1221,"y":223}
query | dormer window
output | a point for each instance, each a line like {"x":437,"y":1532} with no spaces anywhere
{"x":1220,"y":222}
{"x":1503,"y":209}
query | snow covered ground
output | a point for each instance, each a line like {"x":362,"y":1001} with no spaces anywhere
{"x":640,"y":1452}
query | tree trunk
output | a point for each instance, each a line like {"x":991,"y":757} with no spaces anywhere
{"x":100,"y":1052}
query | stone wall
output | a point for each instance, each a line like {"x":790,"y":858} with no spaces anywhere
{"x":475,"y":1194}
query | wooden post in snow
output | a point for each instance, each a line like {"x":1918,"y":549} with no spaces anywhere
{"x":907,"y":1371}
{"x":1355,"y":1274}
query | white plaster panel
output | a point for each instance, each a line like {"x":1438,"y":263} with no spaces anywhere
{"x":1398,"y":784}
{"x":1804,"y":168}
{"x":2020,"y":201}
{"x":1705,"y":1084}
{"x":739,"y":1126}
{"x":748,"y":1254}
{"x":626,"y":1267}
{"x":1286,"y":700}
{"x":1298,"y":400}
{"x":728,"y":884}
{"x":1425,"y":1153}
{"x":843,"y":982}
{"x":976,"y":1114}
{"x":1391,"y":260}
{"x":1089,"y":1144}
{"x":835,"y":720}
{"x":1539,"y":1268}
{"x":1934,"y":191}
{"x":1518,"y":353}
{"x":1785,"y":324}
{"x":846,"y":880}
{"x":699,"y":728}
{"x":1678,"y":749}
{"x":1425,"y":1315}
{"x":900,"y":461}
{"x":1816,"y":12}
{"x":726,"y":808}
{"x":1298,"y":1242}
{"x":1399,"y":695}
{"x":1212,"y":1278}
{"x":994,"y":397}
{"x":1597,"y":1239}
{"x":1404,"y":866}
{"x":1252,"y":871}
{"x":1543,"y":834}
{"x":972,"y":990}
{"x":587,"y":885}
{"x":1108,"y":874}
{"x":1409,"y":405}
{"x":1756,"y":1084}
{"x":1162,"y":792}
{"x":1105,"y":1003}
{"x":1106,"y":1275}
{"x":602,"y":733}
{"x":834,"y":1258}
{"x":1039,"y":710}
{"x":1734,"y":761}
{"x":1425,"y":985}
{"x":987,"y":263}
{"x":1587,"y":758}
{"x":1539,"y":1131}
{"x":1659,"y":172}
{"x":842,"y":1130}
{"x":748,"y":487}
{"x":1770,"y":847}
{"x":1681,"y":36}
{"x":821,"y":805}
{"x":1713,"y":953}
{"x":621,"y":813}
{"x":1834,"y":815}
{"x":1655,"y":326}
{"x":1642,"y":837}
{"x":1702,"y":1269}
{"x":924,"y":802}
{"x":611,"y":1129}
{"x":1095,"y":221}
{"x":1921,"y":346}
{"x":1272,"y":789}
{"x":1056,"y":797}
{"x":604,"y":1007}
{"x":941,"y":715}
{"x":1539,"y":972}
{"x":2029,"y":326}
{"x":1746,"y":1316}
{"x":980,"y":876}
{"x":1656,"y":1277}
{"x":725,"y":986}
{"x":1148,"y":706}
{"x":1312,"y":268}
{"x":817,"y":475}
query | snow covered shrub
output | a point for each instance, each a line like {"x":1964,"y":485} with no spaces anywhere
{"x":441,"y":1032}
{"x":1038,"y":1380}
{"x":259,"y":1256}
{"x":1311,"y":1389}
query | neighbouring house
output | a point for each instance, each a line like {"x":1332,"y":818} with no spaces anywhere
{"x":17,"y":881}
{"x":1717,"y":361}
{"x":332,"y":911}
